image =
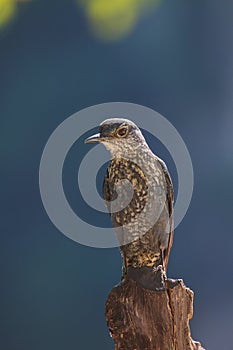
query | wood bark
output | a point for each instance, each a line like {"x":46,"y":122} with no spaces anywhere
{"x":143,"y":314}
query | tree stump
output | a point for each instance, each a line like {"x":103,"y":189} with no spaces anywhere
{"x":147,"y":312}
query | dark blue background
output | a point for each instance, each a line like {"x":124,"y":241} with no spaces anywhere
{"x":178,"y":60}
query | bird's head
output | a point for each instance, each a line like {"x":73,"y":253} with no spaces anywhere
{"x":118,"y":136}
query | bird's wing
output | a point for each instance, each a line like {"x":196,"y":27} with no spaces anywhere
{"x":170,"y":199}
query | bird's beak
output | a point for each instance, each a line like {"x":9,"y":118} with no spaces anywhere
{"x":93,"y":138}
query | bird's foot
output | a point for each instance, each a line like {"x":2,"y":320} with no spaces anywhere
{"x":160,"y":277}
{"x":147,"y":278}
{"x":171,"y":283}
{"x":158,"y":268}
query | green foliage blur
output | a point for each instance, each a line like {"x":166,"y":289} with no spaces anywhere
{"x":112,"y":20}
{"x":7,"y":12}
{"x":108,"y":20}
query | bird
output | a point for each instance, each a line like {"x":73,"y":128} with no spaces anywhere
{"x":138,"y":193}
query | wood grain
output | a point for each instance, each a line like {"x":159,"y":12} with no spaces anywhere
{"x":145,"y":319}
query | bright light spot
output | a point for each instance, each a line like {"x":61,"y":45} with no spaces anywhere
{"x":7,"y":11}
{"x":112,"y":20}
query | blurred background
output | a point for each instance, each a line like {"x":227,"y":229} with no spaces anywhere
{"x":60,"y":56}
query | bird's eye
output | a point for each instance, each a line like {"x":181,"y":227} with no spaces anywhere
{"x":122,"y":132}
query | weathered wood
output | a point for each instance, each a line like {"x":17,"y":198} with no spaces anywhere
{"x":146,"y":319}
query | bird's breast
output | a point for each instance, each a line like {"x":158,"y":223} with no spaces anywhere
{"x":139,"y":178}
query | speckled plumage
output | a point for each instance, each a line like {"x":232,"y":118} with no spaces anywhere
{"x":144,"y":226}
